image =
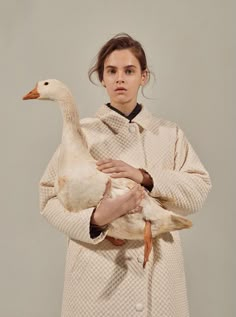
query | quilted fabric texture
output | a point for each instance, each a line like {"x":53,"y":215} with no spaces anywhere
{"x":106,"y":280}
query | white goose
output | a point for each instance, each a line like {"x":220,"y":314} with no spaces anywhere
{"x":81,"y":185}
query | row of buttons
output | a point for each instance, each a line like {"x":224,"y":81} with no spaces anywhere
{"x":140,"y":259}
{"x":132,"y":128}
{"x":139,"y":307}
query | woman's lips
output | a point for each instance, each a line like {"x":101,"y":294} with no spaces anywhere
{"x":120,"y":89}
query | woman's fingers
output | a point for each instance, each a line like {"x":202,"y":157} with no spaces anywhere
{"x":119,"y":169}
{"x":110,"y":209}
{"x":138,"y":209}
{"x":109,"y":163}
{"x":136,"y":196}
{"x":114,"y":169}
{"x":104,"y":166}
{"x":100,"y":162}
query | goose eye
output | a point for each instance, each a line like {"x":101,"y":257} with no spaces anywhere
{"x":46,"y":83}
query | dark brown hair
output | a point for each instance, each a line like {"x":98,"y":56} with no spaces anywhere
{"x":120,"y":41}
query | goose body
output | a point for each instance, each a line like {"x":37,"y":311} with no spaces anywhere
{"x":81,"y":185}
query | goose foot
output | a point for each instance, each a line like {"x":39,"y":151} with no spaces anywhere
{"x":117,"y":242}
{"x":147,"y":241}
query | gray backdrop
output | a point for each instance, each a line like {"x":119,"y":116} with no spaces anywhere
{"x":189,"y":46}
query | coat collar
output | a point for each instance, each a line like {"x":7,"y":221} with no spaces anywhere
{"x":116,"y":121}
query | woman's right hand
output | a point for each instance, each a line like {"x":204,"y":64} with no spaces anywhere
{"x":110,"y":209}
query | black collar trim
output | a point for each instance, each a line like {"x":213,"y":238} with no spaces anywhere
{"x":131,"y":116}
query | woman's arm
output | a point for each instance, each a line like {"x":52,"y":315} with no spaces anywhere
{"x":185,"y":188}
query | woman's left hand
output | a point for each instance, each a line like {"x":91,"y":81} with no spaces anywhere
{"x":119,"y":169}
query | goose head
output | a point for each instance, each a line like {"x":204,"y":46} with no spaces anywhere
{"x":50,"y":89}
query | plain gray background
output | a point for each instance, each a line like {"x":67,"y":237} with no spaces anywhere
{"x":190,"y":47}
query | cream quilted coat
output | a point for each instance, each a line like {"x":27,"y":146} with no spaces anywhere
{"x":106,"y":280}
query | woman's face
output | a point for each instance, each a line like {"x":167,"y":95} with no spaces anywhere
{"x":122,"y":78}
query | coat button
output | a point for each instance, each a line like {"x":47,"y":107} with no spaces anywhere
{"x":132,"y":129}
{"x":139,"y":307}
{"x":140,"y":259}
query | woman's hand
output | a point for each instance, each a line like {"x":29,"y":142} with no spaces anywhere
{"x":118,"y":169}
{"x":110,"y":209}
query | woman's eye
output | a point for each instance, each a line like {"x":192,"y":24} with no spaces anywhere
{"x":111,"y":71}
{"x":129,"y":71}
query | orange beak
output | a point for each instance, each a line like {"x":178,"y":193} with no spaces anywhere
{"x":33,"y":94}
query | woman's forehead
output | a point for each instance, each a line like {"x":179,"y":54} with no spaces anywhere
{"x":121,"y":58}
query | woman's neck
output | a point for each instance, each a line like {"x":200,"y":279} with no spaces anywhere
{"x":125,"y":108}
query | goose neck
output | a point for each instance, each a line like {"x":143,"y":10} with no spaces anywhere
{"x":71,"y":127}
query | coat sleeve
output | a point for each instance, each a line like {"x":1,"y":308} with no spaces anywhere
{"x":75,"y":225}
{"x":185,"y":188}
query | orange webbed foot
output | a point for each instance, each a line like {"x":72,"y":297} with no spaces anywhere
{"x":117,"y":242}
{"x":147,"y":241}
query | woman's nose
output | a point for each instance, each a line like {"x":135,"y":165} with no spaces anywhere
{"x":120,"y":81}
{"x":120,"y":78}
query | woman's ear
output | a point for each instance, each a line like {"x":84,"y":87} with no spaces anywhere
{"x":144,"y":77}
{"x":103,"y":84}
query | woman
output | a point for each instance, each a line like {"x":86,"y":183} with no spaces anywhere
{"x":105,"y":277}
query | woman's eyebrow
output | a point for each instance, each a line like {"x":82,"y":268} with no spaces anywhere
{"x":127,"y":66}
{"x":110,"y":66}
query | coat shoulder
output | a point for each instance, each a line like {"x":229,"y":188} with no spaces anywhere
{"x":91,"y":125}
{"x":158,"y":123}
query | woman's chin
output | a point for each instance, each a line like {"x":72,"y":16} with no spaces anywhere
{"x":120,"y":99}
